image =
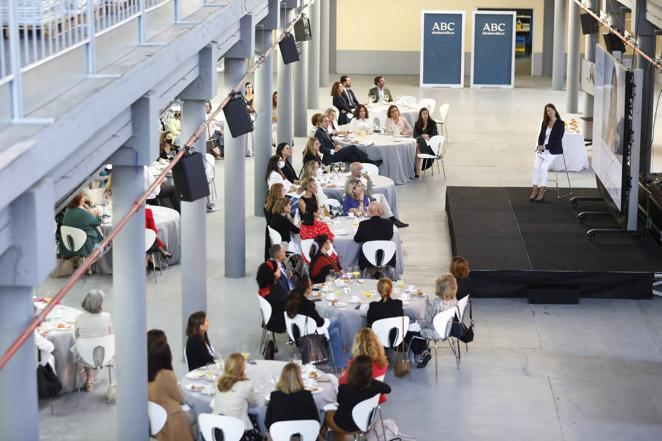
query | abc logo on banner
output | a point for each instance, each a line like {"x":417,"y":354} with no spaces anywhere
{"x":442,"y":49}
{"x":493,"y":51}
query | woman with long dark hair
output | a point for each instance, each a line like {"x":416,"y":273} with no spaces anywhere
{"x":340,"y":102}
{"x":322,"y":259}
{"x":284,"y":151}
{"x":550,"y":144}
{"x":199,"y":351}
{"x":424,"y":129}
{"x":268,"y":274}
{"x":275,"y":174}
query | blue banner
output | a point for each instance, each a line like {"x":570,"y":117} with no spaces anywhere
{"x":442,"y":49}
{"x":493,"y":53}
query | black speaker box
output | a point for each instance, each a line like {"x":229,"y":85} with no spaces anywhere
{"x":302,"y":30}
{"x":190,"y":178}
{"x":288,"y":49}
{"x":553,"y":295}
{"x":236,"y":116}
{"x":589,"y":24}
{"x":613,"y":43}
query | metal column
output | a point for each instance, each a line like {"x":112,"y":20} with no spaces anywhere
{"x":646,"y":42}
{"x":300,"y":113}
{"x":285,"y":91}
{"x":572,"y":88}
{"x":234,"y":183}
{"x":590,"y":41}
{"x":325,"y":19}
{"x":130,"y":302}
{"x":314,"y":57}
{"x":194,"y":226}
{"x":559,"y":45}
{"x":264,"y":86}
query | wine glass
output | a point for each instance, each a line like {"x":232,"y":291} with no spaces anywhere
{"x":342,"y":167}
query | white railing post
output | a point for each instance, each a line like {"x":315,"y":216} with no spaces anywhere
{"x":91,"y":51}
{"x":15,"y":61}
{"x":141,"y":23}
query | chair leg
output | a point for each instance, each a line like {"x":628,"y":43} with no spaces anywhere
{"x":457,"y":360}
{"x":567,"y":175}
{"x":273,"y":338}
{"x":436,"y":370}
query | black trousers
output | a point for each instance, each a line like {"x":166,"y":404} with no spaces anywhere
{"x":167,"y":196}
{"x":351,"y":153}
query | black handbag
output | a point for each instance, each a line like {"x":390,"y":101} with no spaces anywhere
{"x":48,"y":384}
{"x":313,"y":347}
{"x":461,"y":331}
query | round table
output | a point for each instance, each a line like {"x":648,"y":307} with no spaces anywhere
{"x":58,"y":328}
{"x":410,"y":113}
{"x":167,"y":223}
{"x":333,"y":185}
{"x":263,"y":376}
{"x":350,"y":295}
{"x":397,"y":152}
{"x":574,"y":150}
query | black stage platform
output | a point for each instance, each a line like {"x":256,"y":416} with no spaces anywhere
{"x":514,"y":245}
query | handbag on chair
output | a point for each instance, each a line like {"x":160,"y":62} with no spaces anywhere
{"x":48,"y":384}
{"x":401,"y":366}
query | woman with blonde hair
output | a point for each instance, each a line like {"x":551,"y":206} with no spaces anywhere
{"x":281,"y":220}
{"x":234,"y":393}
{"x":356,"y":200}
{"x":366,"y":343}
{"x":445,"y":289}
{"x":312,"y":151}
{"x":290,"y":401}
{"x":276,"y":191}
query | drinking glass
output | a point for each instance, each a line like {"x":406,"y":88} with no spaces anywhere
{"x":342,"y":167}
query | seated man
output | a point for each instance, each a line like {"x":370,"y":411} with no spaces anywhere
{"x":356,"y":171}
{"x":374,"y":228}
{"x":277,"y":254}
{"x":379,"y":92}
{"x":334,"y":152}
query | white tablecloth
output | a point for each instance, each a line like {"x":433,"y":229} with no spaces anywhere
{"x":334,"y":187}
{"x":410,"y":113}
{"x":352,"y":319}
{"x":263,"y":376}
{"x":167,"y":223}
{"x":575,"y":153}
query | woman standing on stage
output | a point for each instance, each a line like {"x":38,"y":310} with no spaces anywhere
{"x":549,"y":145}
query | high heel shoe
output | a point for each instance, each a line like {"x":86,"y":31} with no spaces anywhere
{"x":534,"y":193}
{"x":541,"y":195}
{"x":165,"y":253}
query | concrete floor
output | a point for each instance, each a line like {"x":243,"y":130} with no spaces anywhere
{"x":585,"y":372}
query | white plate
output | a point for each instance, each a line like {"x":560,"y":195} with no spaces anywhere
{"x":341,"y":232}
{"x":195,"y":387}
{"x":196,"y":375}
{"x":338,"y":305}
{"x":61,"y":326}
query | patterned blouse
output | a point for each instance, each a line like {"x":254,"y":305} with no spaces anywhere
{"x":433,"y":308}
{"x":314,"y":230}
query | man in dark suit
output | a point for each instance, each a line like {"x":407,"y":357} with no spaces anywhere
{"x":346,"y":82}
{"x":335,"y":153}
{"x":375,"y":228}
{"x":277,"y":254}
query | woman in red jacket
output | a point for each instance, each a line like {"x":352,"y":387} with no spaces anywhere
{"x":149,"y":223}
{"x":322,"y":260}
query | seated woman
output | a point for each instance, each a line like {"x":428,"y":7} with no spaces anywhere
{"x":386,"y":307}
{"x":298,"y":303}
{"x":333,"y":128}
{"x":360,"y":123}
{"x":290,"y":401}
{"x":360,"y":386}
{"x":276,"y":192}
{"x":445,"y":289}
{"x":367,"y":344}
{"x":340,"y":102}
{"x":312,"y":151}
{"x":424,"y":129}
{"x":92,"y":322}
{"x":311,"y":169}
{"x":308,"y":200}
{"x":356,"y":200}
{"x":79,"y":215}
{"x":234,"y":393}
{"x":334,"y":152}
{"x":275,"y":175}
{"x":460,"y":270}
{"x":267,"y":275}
{"x":163,"y":390}
{"x":284,"y":151}
{"x":395,"y":124}
{"x":312,"y":226}
{"x":281,"y":220}
{"x":199,"y":351}
{"x":322,"y":259}
{"x":158,"y":243}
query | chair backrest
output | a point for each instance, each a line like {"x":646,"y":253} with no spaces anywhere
{"x":335,"y":109}
{"x":265,"y":309}
{"x":232,"y":428}
{"x":462,"y":306}
{"x":379,"y":119}
{"x":95,"y":195}
{"x":371,"y":169}
{"x":407,"y":99}
{"x":329,"y":202}
{"x":157,"y":417}
{"x":210,"y":171}
{"x":305,"y":325}
{"x":284,"y":430}
{"x":371,"y":249}
{"x":362,"y":413}
{"x":305,"y":248}
{"x":443,"y":113}
{"x":150,"y":238}
{"x":437,"y":145}
{"x":428,"y":103}
{"x":442,"y":322}
{"x":384,"y":327}
{"x":73,"y":238}
{"x":96,"y":352}
{"x":274,"y":236}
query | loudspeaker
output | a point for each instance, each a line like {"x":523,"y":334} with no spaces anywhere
{"x":613,"y":43}
{"x":589,"y":24}
{"x":190,"y":178}
{"x":288,"y":49}
{"x":553,"y":295}
{"x":237,"y":117}
{"x":302,"y":30}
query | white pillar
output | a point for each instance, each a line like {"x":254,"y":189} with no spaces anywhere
{"x":559,"y":45}
{"x":325,"y":19}
{"x":314,"y":58}
{"x":264,"y":86}
{"x":572,"y":88}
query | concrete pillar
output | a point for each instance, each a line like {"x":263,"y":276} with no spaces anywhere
{"x":285,"y":91}
{"x":590,"y":41}
{"x":264,"y":86}
{"x":646,"y":42}
{"x":559,"y":45}
{"x":313,"y":57}
{"x":300,"y":114}
{"x":130,"y":300}
{"x":193,"y":226}
{"x":572,"y":77}
{"x":234,"y":184}
{"x":325,"y":20}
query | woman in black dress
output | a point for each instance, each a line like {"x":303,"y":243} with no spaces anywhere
{"x":340,"y":102}
{"x":424,"y":129}
{"x":199,"y":351}
{"x":284,"y":151}
{"x":281,"y":220}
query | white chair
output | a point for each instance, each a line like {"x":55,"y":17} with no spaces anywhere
{"x":443,"y":116}
{"x":461,"y":307}
{"x":407,"y":100}
{"x":274,"y":236}
{"x":96,"y":353}
{"x":153,"y":256}
{"x":384,"y":327}
{"x":305,"y":325}
{"x":437,"y":145}
{"x":428,"y":103}
{"x":284,"y":430}
{"x":442,"y":325}
{"x":370,"y":250}
{"x":328,"y":203}
{"x":371,"y":169}
{"x":379,"y":120}
{"x":231,"y":427}
{"x":305,"y":249}
{"x":364,"y":412}
{"x":570,"y":191}
{"x":265,"y":311}
{"x":73,"y":240}
{"x":157,"y":418}
{"x":210,"y":171}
